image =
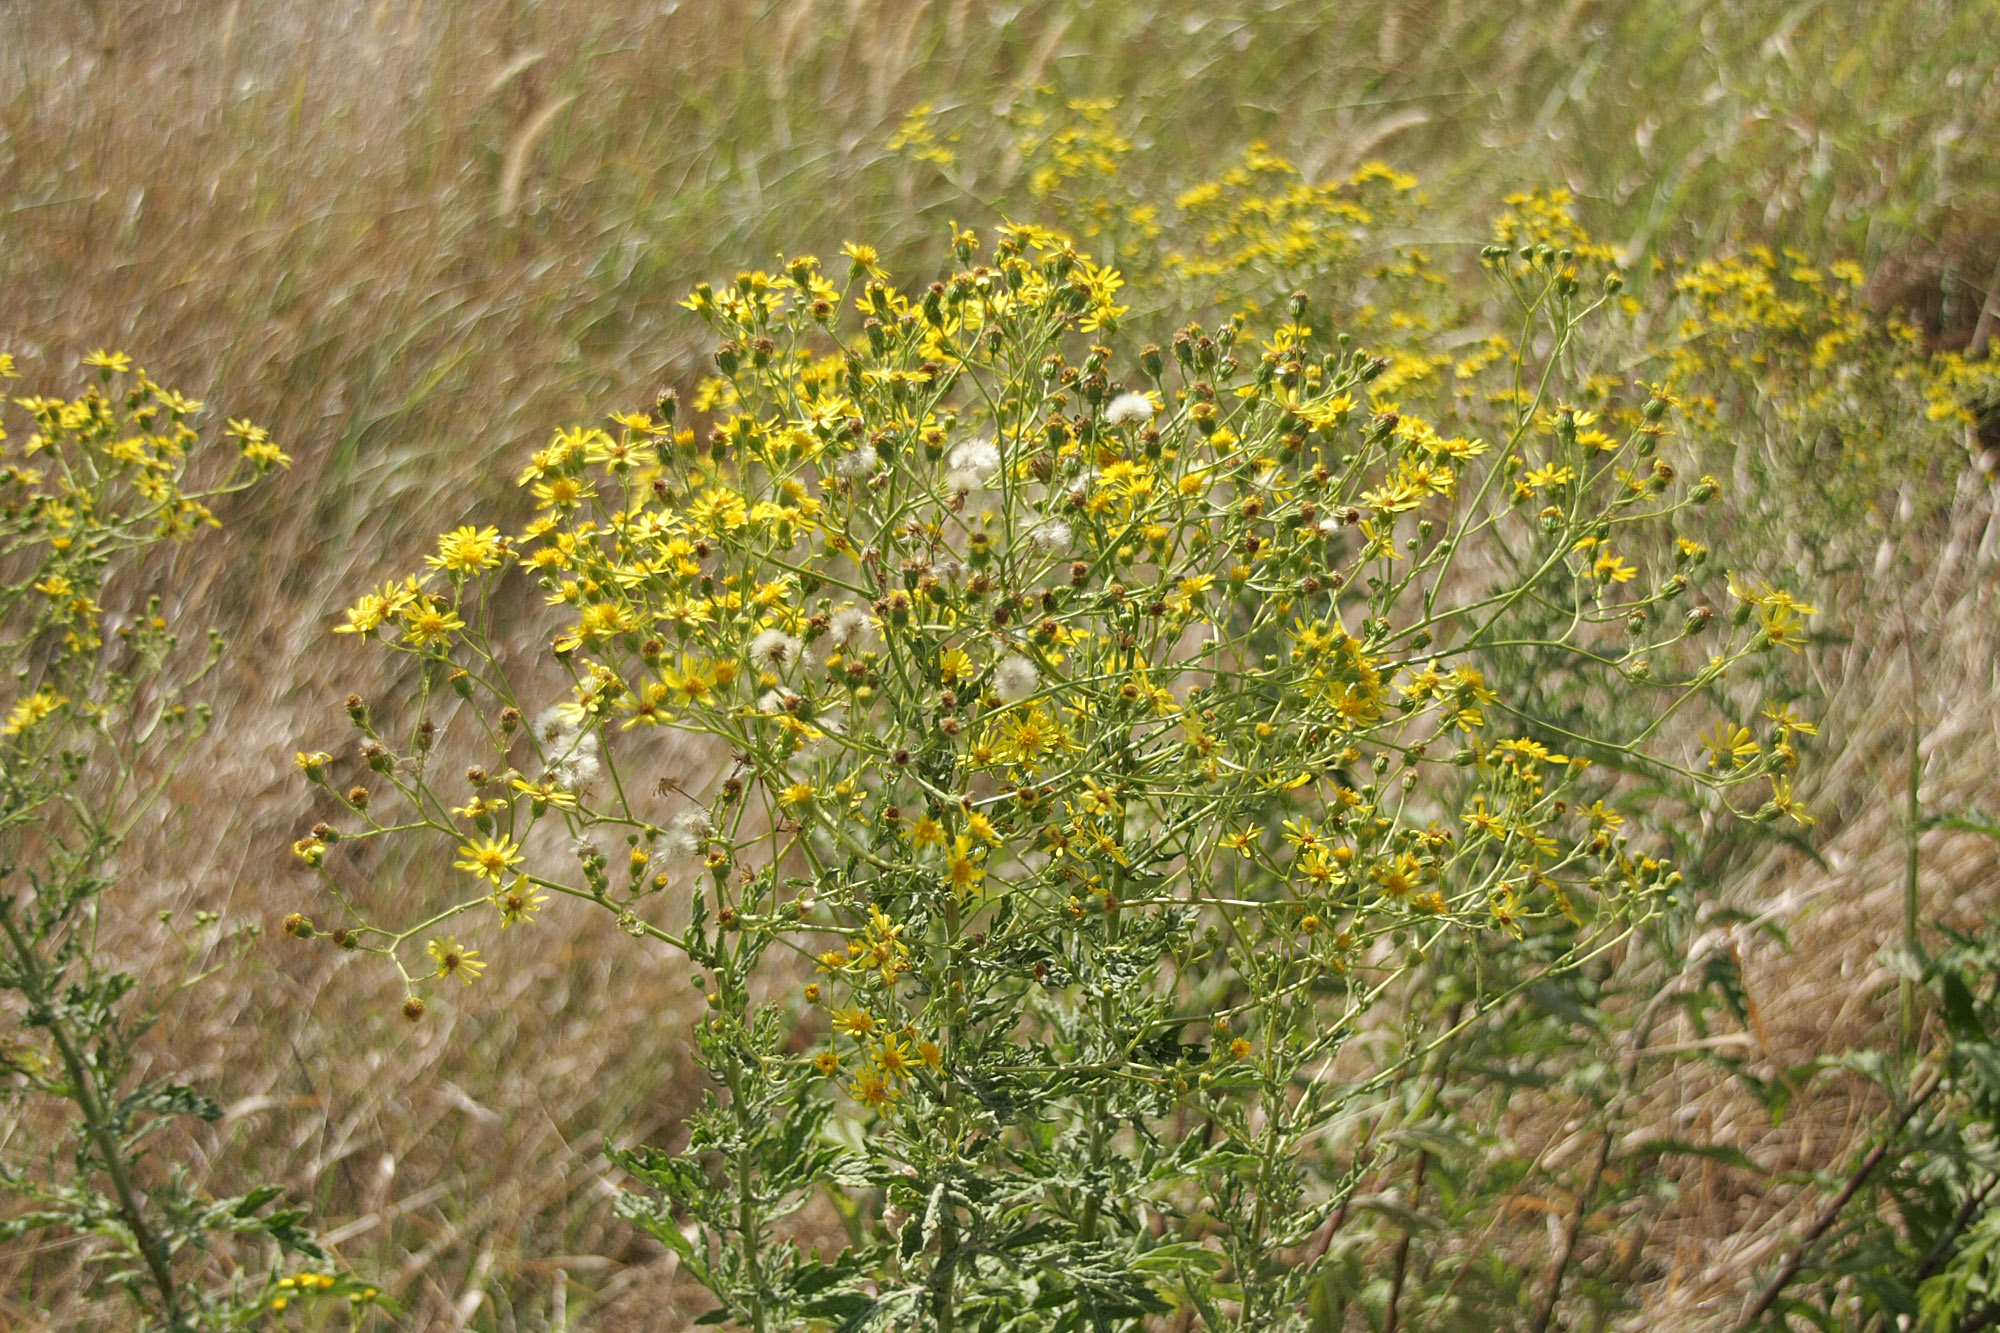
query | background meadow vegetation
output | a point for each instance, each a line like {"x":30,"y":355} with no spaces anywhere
{"x":412,"y":238}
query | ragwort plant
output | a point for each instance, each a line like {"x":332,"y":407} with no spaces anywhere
{"x":104,"y":710}
{"x":1085,"y":756}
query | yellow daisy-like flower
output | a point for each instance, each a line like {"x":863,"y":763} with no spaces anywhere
{"x":856,"y":1022}
{"x":31,"y":710}
{"x":895,"y":1057}
{"x":873,"y":1090}
{"x":562,"y":493}
{"x":429,"y":622}
{"x":454,"y":959}
{"x":374,"y":608}
{"x":465,"y":550}
{"x":965,"y":872}
{"x":490,"y":858}
{"x":519,"y":901}
{"x":1729,"y":744}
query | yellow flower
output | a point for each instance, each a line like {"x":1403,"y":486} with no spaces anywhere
{"x":1783,"y":628}
{"x":1534,"y":751}
{"x":545,"y":792}
{"x":894,"y":1057}
{"x":1613,"y":567}
{"x":1784,"y":803}
{"x":490,"y":858}
{"x":467,"y":549}
{"x":966,"y":873}
{"x":519,"y":901}
{"x":880,"y":947}
{"x":1728,"y":741}
{"x":257,"y":446}
{"x":1548,"y":475}
{"x":562,"y":493}
{"x":373,"y":608}
{"x":453,"y":959}
{"x":1788,"y":721}
{"x":874,"y":1091}
{"x":429,"y":622}
{"x":33,"y":709}
{"x":856,"y":1022}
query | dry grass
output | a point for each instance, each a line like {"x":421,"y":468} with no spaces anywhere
{"x":413,"y":238}
{"x":1827,"y":985}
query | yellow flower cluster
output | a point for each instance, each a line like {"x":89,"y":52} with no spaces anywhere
{"x":1000,"y":626}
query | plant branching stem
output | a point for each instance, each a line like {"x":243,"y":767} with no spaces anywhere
{"x":1573,"y":1233}
{"x":1765,"y":1299}
{"x":97,"y":1124}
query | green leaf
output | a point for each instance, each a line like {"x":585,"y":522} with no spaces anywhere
{"x":1177,"y":1256}
{"x":1713,"y":1152}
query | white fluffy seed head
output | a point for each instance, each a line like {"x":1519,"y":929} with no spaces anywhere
{"x":979,"y":457}
{"x":848,"y":627}
{"x":1015,"y":679}
{"x":1050,"y":537}
{"x":571,"y":753}
{"x":557,"y":726}
{"x":963,"y":481}
{"x":857,"y":464}
{"x":773,"y":650}
{"x":577,"y":769}
{"x":1128,"y":408}
{"x":687,"y":837}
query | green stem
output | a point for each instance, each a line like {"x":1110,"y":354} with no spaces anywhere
{"x":944,"y":1278}
{"x":97,"y":1125}
{"x":749,"y":1226}
{"x":1912,"y":816}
